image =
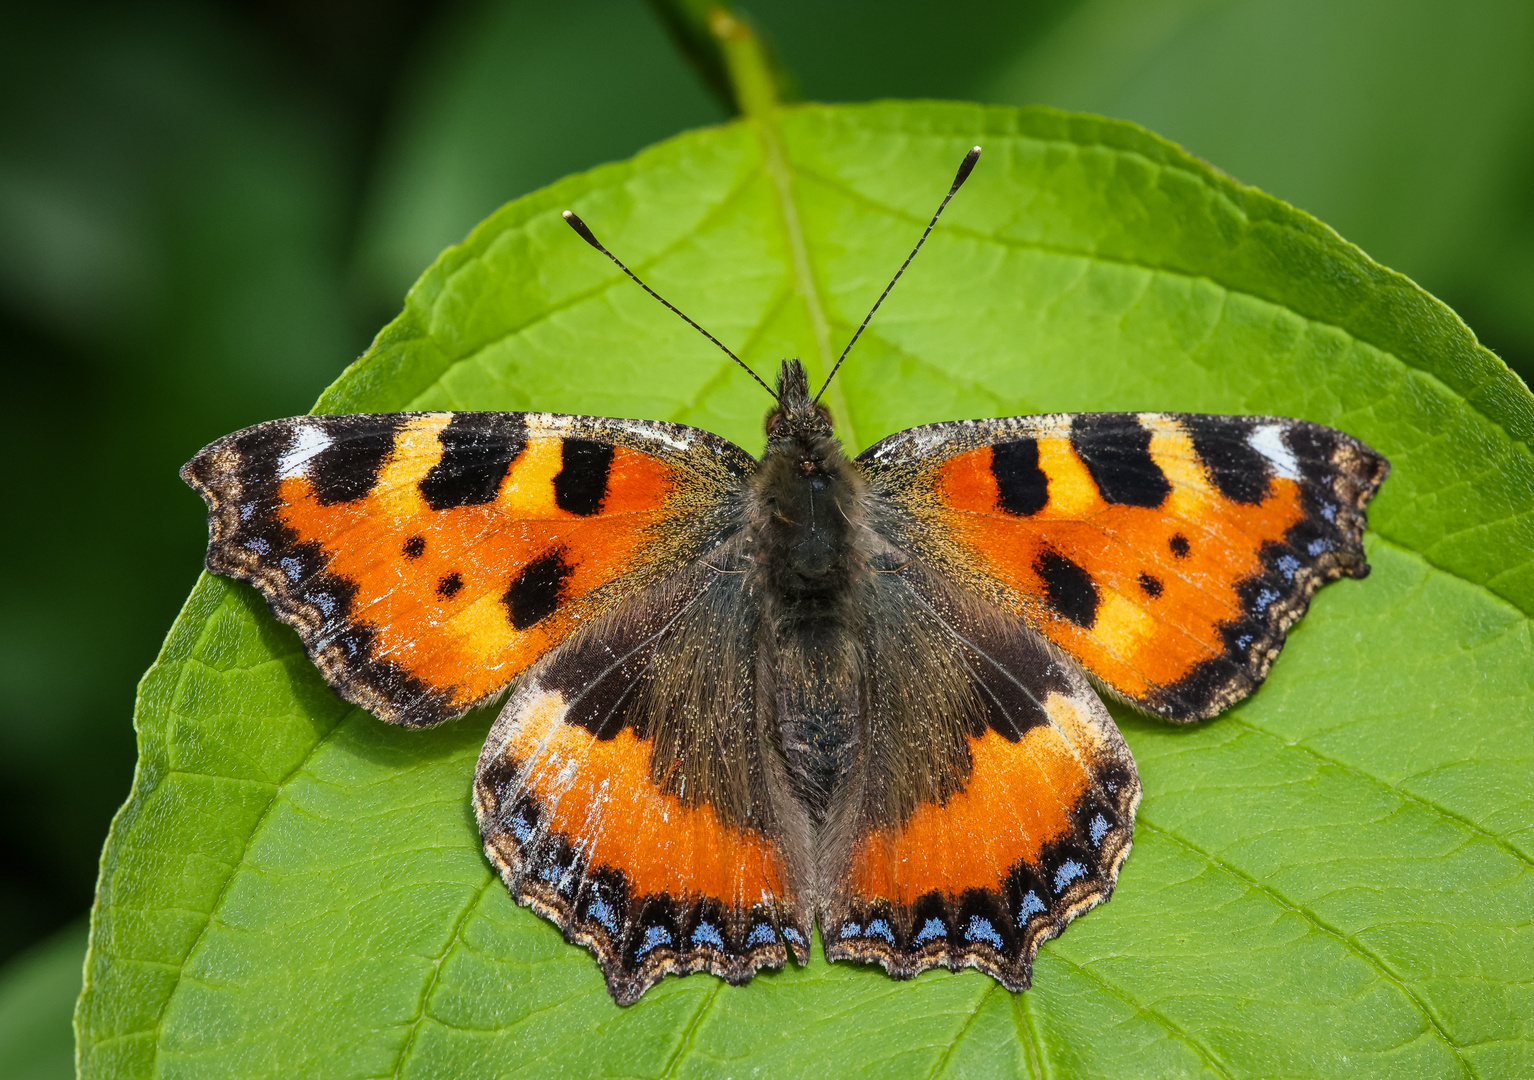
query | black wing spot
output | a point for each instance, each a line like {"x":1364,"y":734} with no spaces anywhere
{"x":1179,"y":545}
{"x":581,"y":483}
{"x":415,"y":547}
{"x":1234,"y":466}
{"x":1021,"y":486}
{"x":536,"y":592}
{"x":1115,"y":448}
{"x":1151,"y":585}
{"x":1069,"y":589}
{"x":448,"y":587}
{"x":477,"y":451}
{"x":348,"y":467}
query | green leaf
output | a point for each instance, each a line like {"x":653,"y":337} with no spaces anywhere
{"x":1334,"y":878}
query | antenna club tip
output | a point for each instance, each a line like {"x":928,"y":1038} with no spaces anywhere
{"x":965,"y":168}
{"x":572,"y":220}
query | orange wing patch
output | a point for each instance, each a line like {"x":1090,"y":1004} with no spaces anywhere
{"x":466,"y":596}
{"x":429,"y":558}
{"x":598,"y":795}
{"x":1168,"y":554}
{"x":1020,"y":798}
{"x":1137,"y":594}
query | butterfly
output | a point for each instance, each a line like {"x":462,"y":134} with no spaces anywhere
{"x":748,"y":696}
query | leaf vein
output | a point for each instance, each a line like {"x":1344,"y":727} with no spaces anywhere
{"x":941,"y":1065}
{"x":1155,"y":1015}
{"x":1355,"y":947}
{"x":1026,"y":1026}
{"x":454,"y":938}
{"x":684,"y":1044}
{"x":614,"y":280}
{"x":1402,"y":793}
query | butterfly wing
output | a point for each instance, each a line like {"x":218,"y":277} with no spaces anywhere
{"x":426,"y":559}
{"x":631,"y":791}
{"x":993,"y":800}
{"x":1168,"y":554}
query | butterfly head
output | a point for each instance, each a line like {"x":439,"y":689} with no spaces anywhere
{"x":798,"y":417}
{"x":805,"y":493}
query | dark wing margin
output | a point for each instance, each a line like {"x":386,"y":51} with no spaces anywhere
{"x":427,"y":558}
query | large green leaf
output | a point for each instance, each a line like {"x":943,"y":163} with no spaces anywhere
{"x":1335,"y":878}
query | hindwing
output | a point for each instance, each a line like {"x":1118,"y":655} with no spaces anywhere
{"x":632,"y":793}
{"x":968,"y":836}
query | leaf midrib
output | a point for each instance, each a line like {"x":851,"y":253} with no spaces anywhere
{"x":780,"y":173}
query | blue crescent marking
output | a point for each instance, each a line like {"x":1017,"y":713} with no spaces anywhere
{"x":1069,"y":871}
{"x":653,"y":937}
{"x":761,"y":934}
{"x":1032,"y":905}
{"x":932,"y":928}
{"x":980,"y":929}
{"x":602,"y":912}
{"x":707,"y":934}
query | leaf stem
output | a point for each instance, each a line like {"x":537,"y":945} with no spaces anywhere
{"x":751,"y":72}
{"x":729,"y":52}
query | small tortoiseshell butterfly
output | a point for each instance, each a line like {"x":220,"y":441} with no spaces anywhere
{"x":749,"y":696}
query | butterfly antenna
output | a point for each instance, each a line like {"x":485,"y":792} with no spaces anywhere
{"x":586,"y":234}
{"x":965,"y":168}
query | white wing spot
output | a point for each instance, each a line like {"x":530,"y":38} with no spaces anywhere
{"x":1268,"y":440}
{"x":308,"y":440}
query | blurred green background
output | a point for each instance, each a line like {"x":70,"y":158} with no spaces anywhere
{"x":206,"y":210}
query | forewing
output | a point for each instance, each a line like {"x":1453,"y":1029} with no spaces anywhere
{"x":1013,"y":817}
{"x":629,"y":792}
{"x":426,"y":559}
{"x":1167,"y":553}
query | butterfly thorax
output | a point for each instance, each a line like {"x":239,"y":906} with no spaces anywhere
{"x":805,"y":520}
